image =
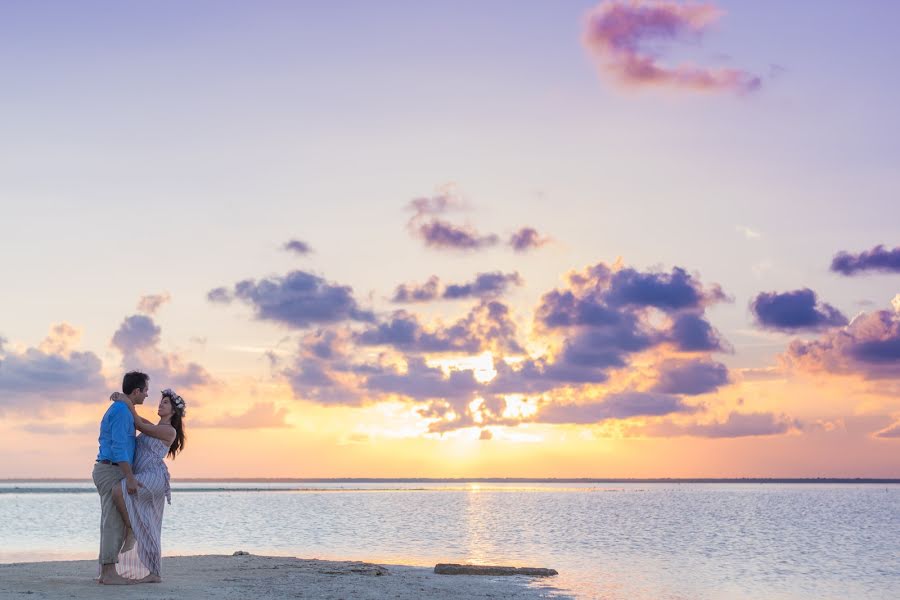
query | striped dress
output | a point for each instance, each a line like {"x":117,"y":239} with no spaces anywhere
{"x":145,"y":508}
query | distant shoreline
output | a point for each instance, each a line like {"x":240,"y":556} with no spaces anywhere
{"x":867,"y":480}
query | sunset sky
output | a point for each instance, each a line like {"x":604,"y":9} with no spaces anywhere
{"x":504,"y":239}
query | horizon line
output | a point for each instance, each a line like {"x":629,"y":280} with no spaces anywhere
{"x":876,"y":480}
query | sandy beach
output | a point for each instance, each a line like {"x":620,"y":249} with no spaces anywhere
{"x":217,"y":577}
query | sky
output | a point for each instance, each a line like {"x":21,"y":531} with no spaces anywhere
{"x":627,"y":238}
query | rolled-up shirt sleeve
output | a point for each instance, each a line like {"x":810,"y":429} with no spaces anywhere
{"x":122,"y":430}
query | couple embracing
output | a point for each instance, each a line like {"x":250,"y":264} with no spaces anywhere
{"x":133,"y":481}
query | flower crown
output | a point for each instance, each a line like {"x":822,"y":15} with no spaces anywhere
{"x":176,"y":400}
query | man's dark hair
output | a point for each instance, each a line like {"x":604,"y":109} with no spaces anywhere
{"x":134,"y":380}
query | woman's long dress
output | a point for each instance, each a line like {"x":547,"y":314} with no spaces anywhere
{"x":145,"y":508}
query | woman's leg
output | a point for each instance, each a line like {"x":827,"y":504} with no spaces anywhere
{"x":119,"y":501}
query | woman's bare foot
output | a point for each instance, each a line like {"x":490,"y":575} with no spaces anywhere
{"x":115,"y":580}
{"x":130,"y":540}
{"x":150,"y":579}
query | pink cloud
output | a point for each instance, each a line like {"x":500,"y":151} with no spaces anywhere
{"x":616,"y":30}
{"x":890,"y":432}
{"x":868,"y":346}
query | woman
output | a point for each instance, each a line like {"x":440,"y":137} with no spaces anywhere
{"x":142,"y":512}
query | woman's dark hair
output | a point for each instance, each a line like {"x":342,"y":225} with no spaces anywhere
{"x":177,"y":422}
{"x":134,"y":380}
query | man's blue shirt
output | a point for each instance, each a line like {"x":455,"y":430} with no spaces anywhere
{"x":117,"y":434}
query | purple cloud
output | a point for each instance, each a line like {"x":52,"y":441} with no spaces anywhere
{"x":323,"y":371}
{"x":735,"y":425}
{"x":444,"y":235}
{"x":877,"y":259}
{"x":527,"y":238}
{"x":795,"y":311}
{"x":421,"y":382}
{"x":409,"y":293}
{"x":485,"y":285}
{"x":690,"y":377}
{"x":692,"y":333}
{"x":669,"y":292}
{"x":615,"y":406}
{"x":219,"y":295}
{"x":34,"y":376}
{"x":136,"y":332}
{"x":427,"y":225}
{"x":297,"y":247}
{"x":487,"y":326}
{"x":617,"y":30}
{"x":892,"y":431}
{"x":606,"y":317}
{"x":298,"y":300}
{"x":869,"y":346}
{"x":138,"y":338}
{"x":151,"y":303}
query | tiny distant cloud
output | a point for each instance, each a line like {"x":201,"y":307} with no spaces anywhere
{"x":220,"y":295}
{"x":527,"y":238}
{"x":439,"y":233}
{"x":429,"y":225}
{"x":297,"y":247}
{"x":878,"y":259}
{"x":750,"y":234}
{"x":443,"y":235}
{"x":439,"y":204}
{"x":151,"y":303}
{"x":795,"y":311}
{"x":618,"y":32}
{"x":486,"y":435}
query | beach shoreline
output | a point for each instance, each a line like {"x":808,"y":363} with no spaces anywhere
{"x":221,"y":577}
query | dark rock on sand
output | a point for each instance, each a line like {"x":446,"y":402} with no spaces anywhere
{"x":454,"y":569}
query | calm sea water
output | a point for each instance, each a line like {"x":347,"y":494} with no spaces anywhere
{"x":631,"y":541}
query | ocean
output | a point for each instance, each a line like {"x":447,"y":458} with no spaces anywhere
{"x":616,"y":541}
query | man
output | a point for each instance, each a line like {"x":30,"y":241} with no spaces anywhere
{"x":114,"y":462}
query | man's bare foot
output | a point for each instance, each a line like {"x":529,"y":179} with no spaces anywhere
{"x":115,"y":580}
{"x":150,"y":579}
{"x":130,"y":541}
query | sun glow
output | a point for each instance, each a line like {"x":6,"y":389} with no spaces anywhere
{"x":518,"y":407}
{"x":481,"y":365}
